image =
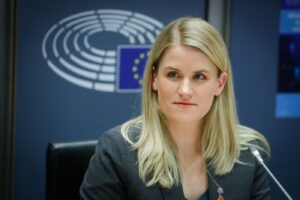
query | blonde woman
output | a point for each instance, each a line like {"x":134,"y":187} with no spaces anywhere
{"x":187,"y":143}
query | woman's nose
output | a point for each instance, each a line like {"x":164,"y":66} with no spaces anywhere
{"x":185,"y":88}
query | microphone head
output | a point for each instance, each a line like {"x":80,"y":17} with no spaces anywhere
{"x":256,"y":154}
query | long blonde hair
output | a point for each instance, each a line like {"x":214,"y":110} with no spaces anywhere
{"x":222,"y":139}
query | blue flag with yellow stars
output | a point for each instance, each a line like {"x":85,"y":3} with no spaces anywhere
{"x":131,"y":64}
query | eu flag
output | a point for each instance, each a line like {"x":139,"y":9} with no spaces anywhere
{"x":131,"y":64}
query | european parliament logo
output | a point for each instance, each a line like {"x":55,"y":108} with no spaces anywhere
{"x":71,"y":51}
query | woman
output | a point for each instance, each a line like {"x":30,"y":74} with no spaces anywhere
{"x":187,"y":143}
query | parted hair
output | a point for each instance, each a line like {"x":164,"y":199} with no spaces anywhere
{"x":222,"y":136}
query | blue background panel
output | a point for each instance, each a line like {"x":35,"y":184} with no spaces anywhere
{"x":254,"y":53}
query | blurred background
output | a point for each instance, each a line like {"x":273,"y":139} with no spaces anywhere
{"x":69,"y":70}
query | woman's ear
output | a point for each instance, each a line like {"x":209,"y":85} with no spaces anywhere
{"x":221,"y":83}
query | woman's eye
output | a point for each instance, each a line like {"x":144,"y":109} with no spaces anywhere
{"x":199,"y":77}
{"x":173,"y":74}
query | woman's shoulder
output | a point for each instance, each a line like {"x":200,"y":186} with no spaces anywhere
{"x":115,"y":133}
{"x":112,"y":134}
{"x":113,"y":140}
{"x":250,"y":138}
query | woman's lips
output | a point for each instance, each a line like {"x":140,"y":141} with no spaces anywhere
{"x":184,"y":104}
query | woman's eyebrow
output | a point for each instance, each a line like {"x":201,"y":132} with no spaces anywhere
{"x":171,"y":68}
{"x":202,"y":71}
{"x":177,"y":69}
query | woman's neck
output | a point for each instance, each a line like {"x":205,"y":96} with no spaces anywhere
{"x":186,"y":138}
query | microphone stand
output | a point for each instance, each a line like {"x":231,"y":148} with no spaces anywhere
{"x":256,"y":154}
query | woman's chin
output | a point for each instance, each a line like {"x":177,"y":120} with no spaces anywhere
{"x":183,"y":119}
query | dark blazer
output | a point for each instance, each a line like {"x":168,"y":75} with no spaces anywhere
{"x":113,"y":175}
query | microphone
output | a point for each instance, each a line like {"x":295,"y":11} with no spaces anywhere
{"x":256,"y":154}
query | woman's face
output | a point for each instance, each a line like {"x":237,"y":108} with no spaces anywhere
{"x":186,"y":83}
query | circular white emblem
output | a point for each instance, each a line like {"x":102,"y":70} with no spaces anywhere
{"x":69,"y":52}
